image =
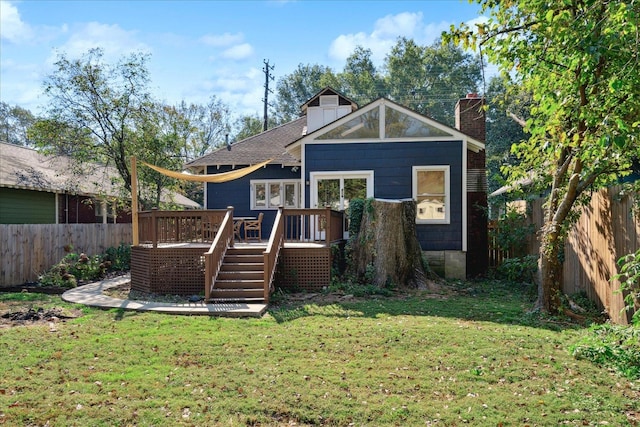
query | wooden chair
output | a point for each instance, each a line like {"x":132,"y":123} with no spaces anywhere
{"x":237,"y":228}
{"x":253,"y":228}
{"x":209,"y":231}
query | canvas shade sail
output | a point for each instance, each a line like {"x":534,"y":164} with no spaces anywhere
{"x":215,"y":178}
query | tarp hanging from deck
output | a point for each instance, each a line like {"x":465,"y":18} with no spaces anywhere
{"x":215,"y":178}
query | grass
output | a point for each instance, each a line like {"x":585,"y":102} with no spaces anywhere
{"x":476,"y":358}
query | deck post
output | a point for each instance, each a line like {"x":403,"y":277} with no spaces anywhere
{"x":154,"y":224}
{"x":134,"y":202}
{"x":327,"y":227}
{"x":230,"y":210}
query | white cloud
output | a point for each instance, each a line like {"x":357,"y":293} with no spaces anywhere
{"x":385,"y":34}
{"x":241,"y":51}
{"x":21,"y":84}
{"x":222,"y":40}
{"x":403,"y":24}
{"x":12,"y":27}
{"x":114,"y":40}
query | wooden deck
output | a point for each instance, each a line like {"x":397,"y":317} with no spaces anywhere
{"x":195,"y":252}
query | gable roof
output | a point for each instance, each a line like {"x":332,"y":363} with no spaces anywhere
{"x":424,"y":128}
{"x":269,"y":144}
{"x":315,"y":101}
{"x":27,"y":169}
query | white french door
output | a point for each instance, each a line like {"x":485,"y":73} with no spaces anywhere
{"x":337,"y":189}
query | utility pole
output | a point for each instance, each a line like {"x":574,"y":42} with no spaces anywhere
{"x":267,"y":76}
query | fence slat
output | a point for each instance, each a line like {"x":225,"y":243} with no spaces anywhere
{"x":28,"y":250}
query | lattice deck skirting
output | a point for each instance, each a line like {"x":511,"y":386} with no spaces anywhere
{"x":304,"y":268}
{"x":168,"y":270}
{"x":179,"y":269}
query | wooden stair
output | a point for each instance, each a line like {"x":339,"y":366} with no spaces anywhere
{"x":241,"y":277}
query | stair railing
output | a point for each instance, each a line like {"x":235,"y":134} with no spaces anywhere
{"x":215,"y":256}
{"x":271,"y":254}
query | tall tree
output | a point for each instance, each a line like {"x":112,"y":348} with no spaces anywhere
{"x":248,"y":125}
{"x":431,"y":79}
{"x":293,"y":90}
{"x":360,"y":79}
{"x":103,"y":99}
{"x":203,"y":127}
{"x":507,"y":108}
{"x":14,"y":123}
{"x":579,"y":59}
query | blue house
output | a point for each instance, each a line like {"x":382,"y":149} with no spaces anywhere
{"x":336,"y":152}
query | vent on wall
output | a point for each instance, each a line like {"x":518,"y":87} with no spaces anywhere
{"x":329,"y":100}
{"x":476,"y":180}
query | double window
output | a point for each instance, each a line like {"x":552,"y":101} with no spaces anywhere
{"x":271,"y":194}
{"x":431,"y":191}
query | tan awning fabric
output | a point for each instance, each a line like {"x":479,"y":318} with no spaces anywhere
{"x":216,"y":178}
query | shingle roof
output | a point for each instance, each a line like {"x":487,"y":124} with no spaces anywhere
{"x":26,"y":168}
{"x":257,"y":148}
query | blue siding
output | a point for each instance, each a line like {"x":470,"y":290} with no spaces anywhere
{"x":392,"y":164}
{"x":237,"y":193}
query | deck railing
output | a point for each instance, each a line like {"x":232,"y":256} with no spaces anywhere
{"x":271,"y":254}
{"x":194,"y":226}
{"x":215,"y":255}
{"x":313,"y":225}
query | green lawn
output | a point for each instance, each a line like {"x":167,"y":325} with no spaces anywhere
{"x":471,"y":358}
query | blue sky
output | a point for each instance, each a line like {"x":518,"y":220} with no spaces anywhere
{"x":204,"y":48}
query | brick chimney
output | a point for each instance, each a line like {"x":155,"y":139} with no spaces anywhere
{"x":470,"y":119}
{"x":470,"y":116}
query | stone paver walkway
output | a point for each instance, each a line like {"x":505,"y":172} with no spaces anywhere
{"x":92,"y":295}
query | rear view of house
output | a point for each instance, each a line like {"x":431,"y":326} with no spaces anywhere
{"x":336,"y":152}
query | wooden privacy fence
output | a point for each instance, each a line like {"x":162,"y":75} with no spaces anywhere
{"x":28,"y":250}
{"x":605,"y":232}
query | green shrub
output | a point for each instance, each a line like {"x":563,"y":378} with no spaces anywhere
{"x":74,"y":267}
{"x":630,"y":283}
{"x":58,"y":276}
{"x":612,"y":346}
{"x":118,"y":258}
{"x":356,"y":209}
{"x":518,"y":269}
{"x":512,"y":233}
{"x":81,"y":267}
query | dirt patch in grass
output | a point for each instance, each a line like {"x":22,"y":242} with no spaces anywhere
{"x":17,"y":315}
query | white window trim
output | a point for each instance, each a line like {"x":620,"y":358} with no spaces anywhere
{"x":267,"y":183}
{"x":447,"y":192}
{"x":314,"y":177}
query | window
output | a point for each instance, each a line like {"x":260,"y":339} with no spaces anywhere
{"x":271,"y":194}
{"x":431,"y":193}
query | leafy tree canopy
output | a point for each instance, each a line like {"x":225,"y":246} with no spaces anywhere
{"x":428,"y":79}
{"x":102,"y":112}
{"x":14,"y":123}
{"x":579,"y":60}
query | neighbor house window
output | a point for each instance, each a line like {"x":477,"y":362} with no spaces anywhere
{"x":271,"y":194}
{"x":432,"y":193}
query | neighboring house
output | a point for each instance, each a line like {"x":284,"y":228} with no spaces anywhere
{"x":336,"y":152}
{"x":39,"y":189}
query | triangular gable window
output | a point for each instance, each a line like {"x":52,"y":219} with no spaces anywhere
{"x":366,"y":125}
{"x":400,"y":125}
{"x":397,"y":124}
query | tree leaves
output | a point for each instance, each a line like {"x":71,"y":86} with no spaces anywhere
{"x":580,"y":62}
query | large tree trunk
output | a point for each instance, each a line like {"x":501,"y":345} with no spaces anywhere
{"x":549,"y":276}
{"x":388,"y":247}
